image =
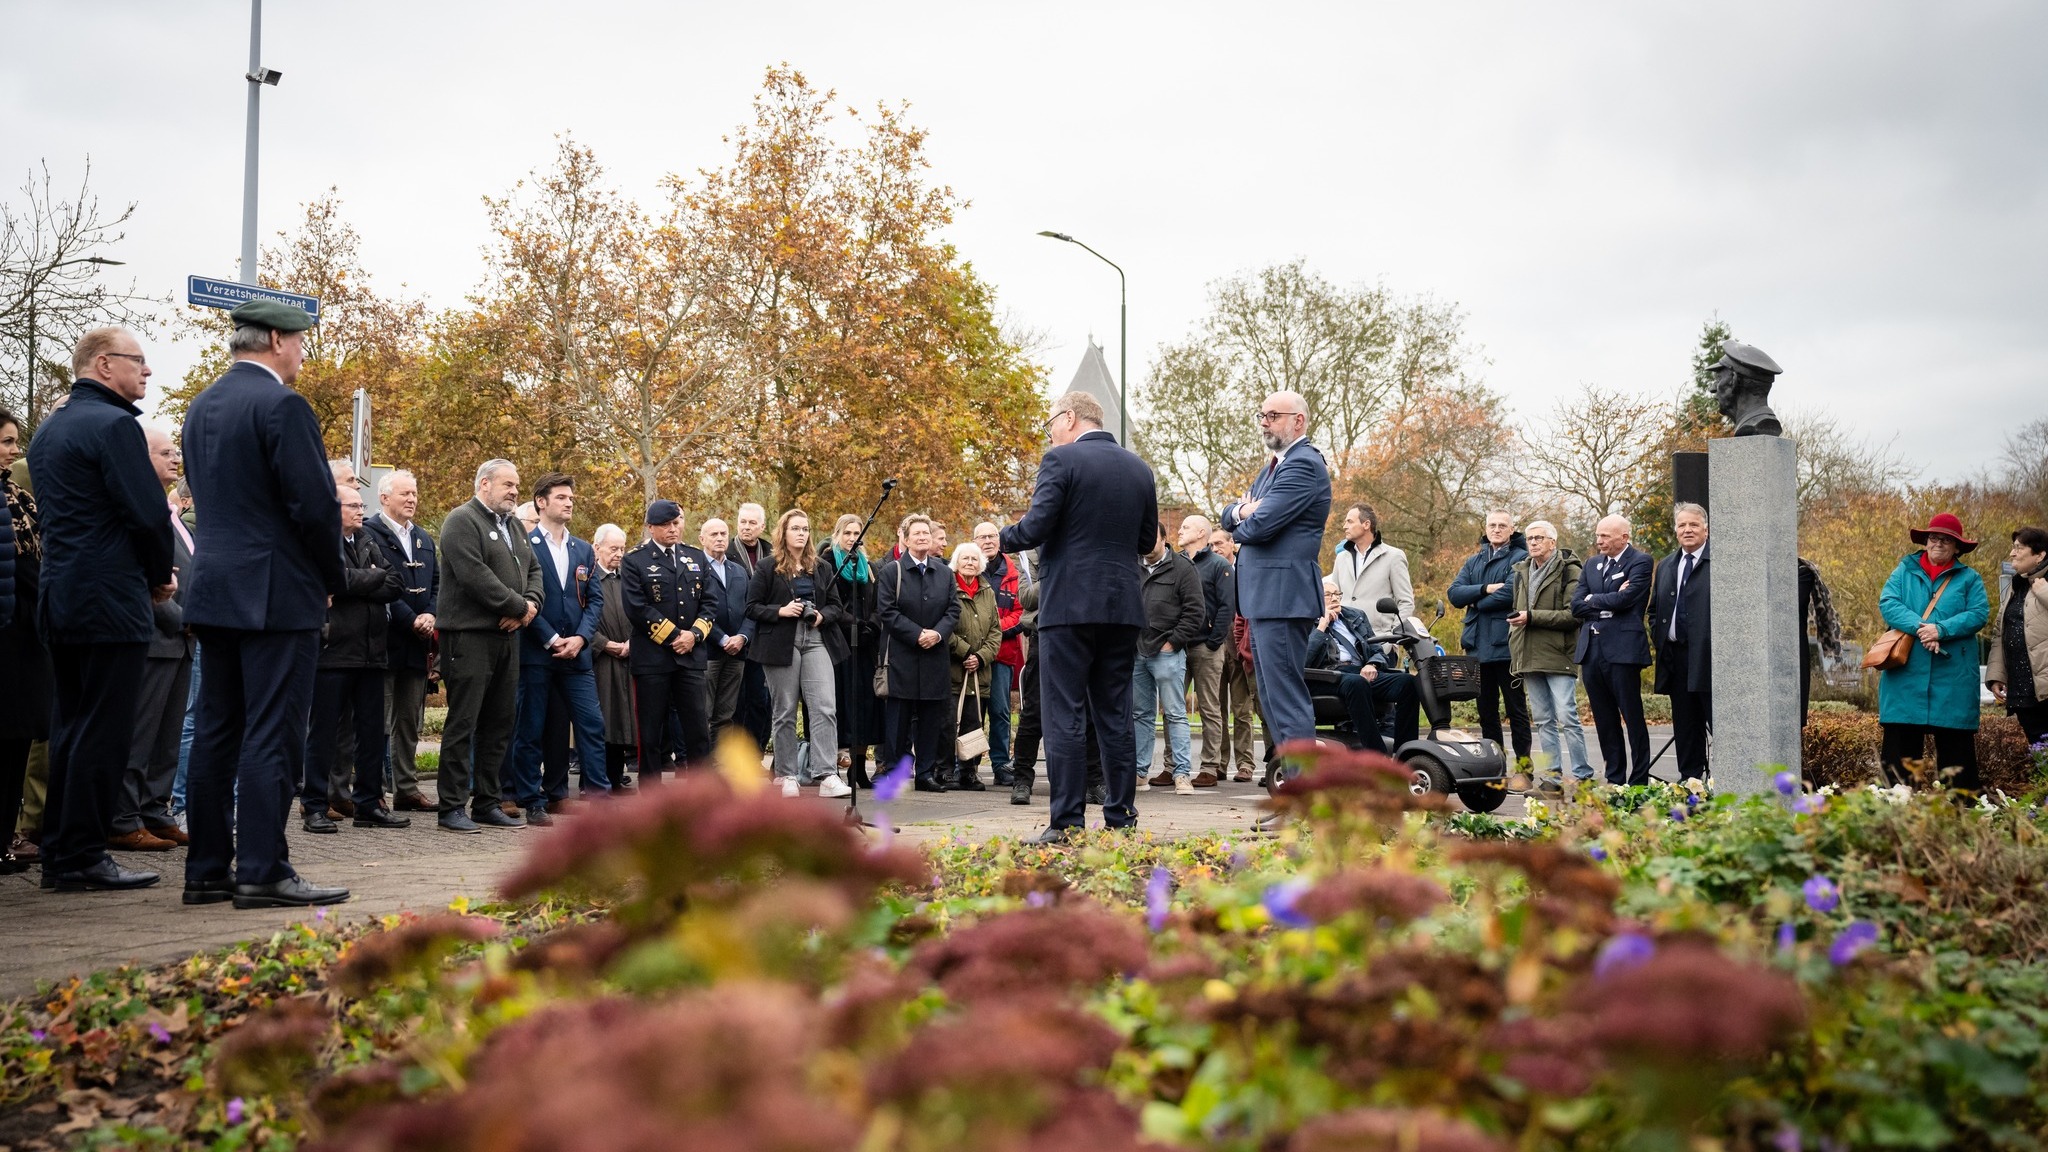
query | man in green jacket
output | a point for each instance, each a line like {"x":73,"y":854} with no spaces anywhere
{"x":1542,"y":635}
{"x":490,"y":588}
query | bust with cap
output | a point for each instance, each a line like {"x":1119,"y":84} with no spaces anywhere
{"x":1742,"y":389}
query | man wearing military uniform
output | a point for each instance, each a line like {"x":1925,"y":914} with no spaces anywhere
{"x":672,"y":602}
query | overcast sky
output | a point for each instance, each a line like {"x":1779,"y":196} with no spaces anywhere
{"x":1860,"y":189}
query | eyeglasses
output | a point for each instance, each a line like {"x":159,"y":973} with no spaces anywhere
{"x":140,"y":361}
{"x":1273,"y":417}
{"x":1055,"y":416}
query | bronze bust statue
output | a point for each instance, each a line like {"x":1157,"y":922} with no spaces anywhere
{"x":1742,"y":387}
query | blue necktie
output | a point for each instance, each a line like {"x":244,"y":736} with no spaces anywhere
{"x":1678,"y":610}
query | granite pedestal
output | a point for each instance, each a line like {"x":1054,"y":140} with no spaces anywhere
{"x":1755,"y":520}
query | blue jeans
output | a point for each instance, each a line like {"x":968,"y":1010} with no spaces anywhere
{"x":579,"y":690}
{"x":1162,"y":682}
{"x":1554,"y":712}
{"x":1001,"y":675}
{"x":185,"y":737}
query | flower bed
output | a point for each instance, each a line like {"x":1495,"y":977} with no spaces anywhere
{"x":1644,"y":968}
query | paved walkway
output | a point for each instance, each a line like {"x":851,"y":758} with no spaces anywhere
{"x":50,"y":935}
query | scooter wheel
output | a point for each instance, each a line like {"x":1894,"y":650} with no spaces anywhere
{"x":1483,"y":797}
{"x":1427,"y":774}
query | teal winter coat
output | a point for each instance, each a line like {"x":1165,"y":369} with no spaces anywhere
{"x":1940,"y":691}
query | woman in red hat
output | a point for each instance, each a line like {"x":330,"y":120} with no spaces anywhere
{"x":1938,"y":600}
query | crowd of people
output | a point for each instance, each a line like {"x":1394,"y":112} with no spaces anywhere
{"x":193,"y":655}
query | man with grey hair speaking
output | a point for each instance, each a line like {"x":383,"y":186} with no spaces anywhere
{"x":490,"y":589}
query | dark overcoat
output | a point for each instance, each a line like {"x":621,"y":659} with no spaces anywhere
{"x":615,"y":673}
{"x":1697,"y":649}
{"x":909,"y":599}
{"x":420,"y":589}
{"x":106,"y":532}
{"x":1094,"y":514}
{"x":357,"y":633}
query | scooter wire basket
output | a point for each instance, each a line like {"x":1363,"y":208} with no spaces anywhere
{"x":1453,"y":677}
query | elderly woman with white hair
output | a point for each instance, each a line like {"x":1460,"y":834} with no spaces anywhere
{"x":612,"y":662}
{"x":976,"y":640}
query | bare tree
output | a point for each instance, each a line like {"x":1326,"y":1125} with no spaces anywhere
{"x":1601,"y":452}
{"x":51,"y":253}
{"x":1832,"y":463}
{"x":2024,"y":465}
{"x":1201,"y":436}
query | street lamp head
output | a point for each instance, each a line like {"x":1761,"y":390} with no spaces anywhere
{"x":268,"y":76}
{"x":1058,"y":236}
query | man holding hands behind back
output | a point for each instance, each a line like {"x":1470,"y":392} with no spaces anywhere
{"x":1093,"y":514}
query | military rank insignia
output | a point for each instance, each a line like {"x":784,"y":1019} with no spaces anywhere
{"x":661,"y":630}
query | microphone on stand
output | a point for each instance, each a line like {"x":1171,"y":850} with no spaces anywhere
{"x":888,"y":485}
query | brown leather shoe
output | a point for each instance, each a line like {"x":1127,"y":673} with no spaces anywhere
{"x":1243,"y":776}
{"x":139,"y":841}
{"x":510,"y":809}
{"x":340,"y":808}
{"x":1164,"y":779}
{"x":412,"y":802}
{"x":171,"y":832}
{"x":25,"y":848}
{"x":1205,"y":779}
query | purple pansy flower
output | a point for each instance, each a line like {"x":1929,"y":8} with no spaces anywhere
{"x":1787,"y":783}
{"x":1786,"y":1138}
{"x":1158,"y":898}
{"x":1788,"y":935}
{"x":890,"y":784}
{"x":1622,"y":952}
{"x":1597,"y":852}
{"x":1037,"y":900}
{"x":1809,"y":804}
{"x":38,"y":1035}
{"x":1852,"y":941}
{"x":1821,"y":894}
{"x":1280,"y":900}
{"x":235,"y":1111}
{"x":1678,"y":814}
{"x":160,"y":1034}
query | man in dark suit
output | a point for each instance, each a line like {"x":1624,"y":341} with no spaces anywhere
{"x":348,"y":690}
{"x":917,"y":601}
{"x":731,"y":633}
{"x":267,"y":555}
{"x":555,"y":656}
{"x":409,"y":550}
{"x":1613,"y":587}
{"x":1681,"y":627}
{"x":1279,"y":529}
{"x":672,"y":605}
{"x":1094,"y":515}
{"x":490,"y":589}
{"x":106,"y":558}
{"x":143,"y":821}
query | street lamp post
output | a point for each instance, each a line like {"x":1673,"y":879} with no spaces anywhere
{"x":1123,"y":338}
{"x":29,"y":413}
{"x":257,"y":77}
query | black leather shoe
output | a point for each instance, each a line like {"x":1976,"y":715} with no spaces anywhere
{"x":317,"y":821}
{"x":10,"y":864}
{"x":969,"y":782}
{"x":1053,"y":836}
{"x":1097,"y":795}
{"x":380,"y":818}
{"x":105,"y":876}
{"x":290,"y":892}
{"x":927,"y":784}
{"x":624,"y":782}
{"x":538,"y":818}
{"x":209,"y":891}
{"x":1020,"y":789}
{"x":497,"y":818}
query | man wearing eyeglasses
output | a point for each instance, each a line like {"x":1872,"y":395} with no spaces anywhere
{"x":106,"y":561}
{"x":1094,"y":513}
{"x":1279,"y":529}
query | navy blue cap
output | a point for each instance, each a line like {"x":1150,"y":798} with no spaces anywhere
{"x":663,"y":512}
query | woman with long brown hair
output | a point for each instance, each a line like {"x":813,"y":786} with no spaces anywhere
{"x":797,"y":607}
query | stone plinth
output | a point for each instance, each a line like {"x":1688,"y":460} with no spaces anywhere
{"x":1755,"y":533}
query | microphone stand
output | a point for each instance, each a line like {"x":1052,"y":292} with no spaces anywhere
{"x":854,"y":688}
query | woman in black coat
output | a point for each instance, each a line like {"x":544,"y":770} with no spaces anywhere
{"x":860,"y":711}
{"x":797,"y":611}
{"x":25,"y":674}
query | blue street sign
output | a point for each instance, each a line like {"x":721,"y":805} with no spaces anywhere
{"x":228,"y":294}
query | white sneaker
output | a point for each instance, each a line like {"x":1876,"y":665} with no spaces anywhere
{"x":1144,"y":782}
{"x":832,"y":788}
{"x":790,"y":788}
{"x":1183,"y":786}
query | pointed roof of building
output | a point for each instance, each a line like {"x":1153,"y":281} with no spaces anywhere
{"x":1094,"y":377}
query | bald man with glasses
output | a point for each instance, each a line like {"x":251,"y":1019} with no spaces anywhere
{"x":1278,"y":527}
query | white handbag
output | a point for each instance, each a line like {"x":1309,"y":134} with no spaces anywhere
{"x":968,"y":745}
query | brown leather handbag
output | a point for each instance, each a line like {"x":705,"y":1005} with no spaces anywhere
{"x":1894,"y":648}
